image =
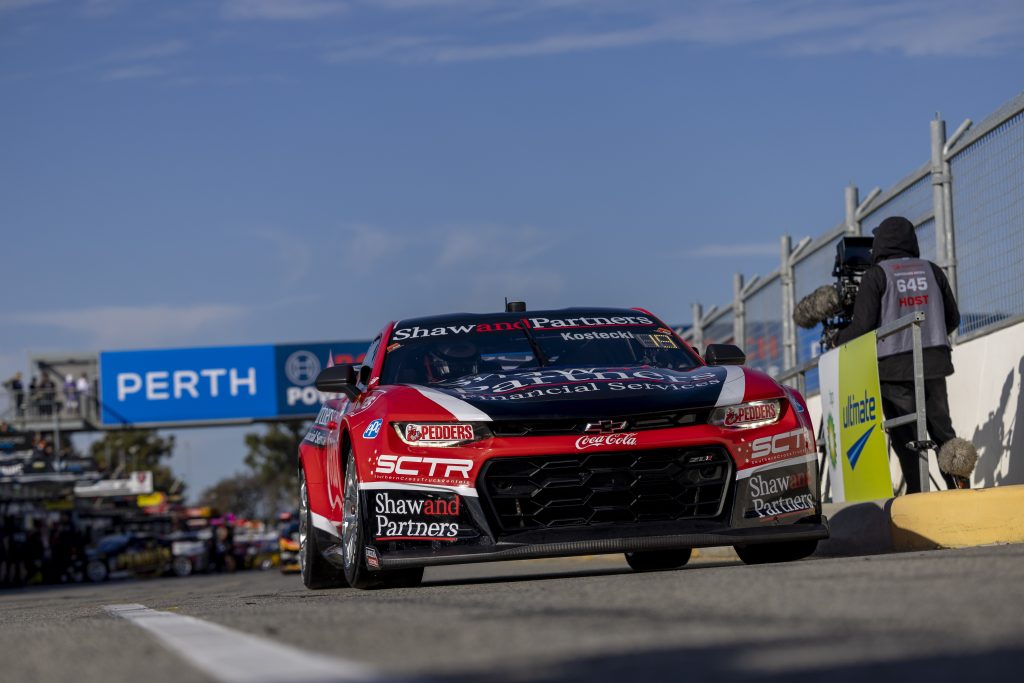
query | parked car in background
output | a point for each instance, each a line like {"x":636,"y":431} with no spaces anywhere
{"x":127,"y":555}
{"x":288,"y":546}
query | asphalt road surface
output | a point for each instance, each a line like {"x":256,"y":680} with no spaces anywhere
{"x":946,"y":615}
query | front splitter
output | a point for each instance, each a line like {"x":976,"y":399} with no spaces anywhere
{"x":608,"y":546}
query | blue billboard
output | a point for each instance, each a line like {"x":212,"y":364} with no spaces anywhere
{"x":297,"y":368}
{"x":164,"y":387}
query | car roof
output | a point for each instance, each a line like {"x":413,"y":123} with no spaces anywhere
{"x":448,"y":318}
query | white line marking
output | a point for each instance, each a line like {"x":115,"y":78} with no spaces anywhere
{"x":733,"y":388}
{"x":461,"y":490}
{"x":456,"y":406}
{"x":234,"y":657}
{"x":323,"y":524}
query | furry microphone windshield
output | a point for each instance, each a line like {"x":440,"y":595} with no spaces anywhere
{"x":957,"y":457}
{"x":816,"y":307}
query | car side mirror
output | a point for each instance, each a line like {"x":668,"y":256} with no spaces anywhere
{"x":724,"y":354}
{"x":338,"y":379}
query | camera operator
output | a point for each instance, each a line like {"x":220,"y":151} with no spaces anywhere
{"x":900,"y":283}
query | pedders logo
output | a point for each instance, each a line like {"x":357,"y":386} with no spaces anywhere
{"x":753,"y":412}
{"x":627,"y":439}
{"x":438,"y":433}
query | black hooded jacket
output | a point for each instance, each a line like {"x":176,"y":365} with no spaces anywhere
{"x":896,"y":238}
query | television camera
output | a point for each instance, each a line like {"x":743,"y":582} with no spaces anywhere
{"x":832,"y":305}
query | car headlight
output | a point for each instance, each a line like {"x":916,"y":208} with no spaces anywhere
{"x":439,"y":434}
{"x":747,"y":415}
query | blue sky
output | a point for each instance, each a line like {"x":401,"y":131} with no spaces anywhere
{"x":246,"y":171}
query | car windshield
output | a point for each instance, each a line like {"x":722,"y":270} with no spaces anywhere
{"x":434,"y":355}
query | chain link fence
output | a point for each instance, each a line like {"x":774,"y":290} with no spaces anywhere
{"x":988,"y":220}
{"x":967,"y":204}
{"x":763,"y":327}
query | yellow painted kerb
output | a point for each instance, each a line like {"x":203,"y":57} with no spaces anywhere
{"x":958,"y":519}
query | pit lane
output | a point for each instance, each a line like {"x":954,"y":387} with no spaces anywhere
{"x":947,"y":615}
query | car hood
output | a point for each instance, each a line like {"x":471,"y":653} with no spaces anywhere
{"x":567,"y":393}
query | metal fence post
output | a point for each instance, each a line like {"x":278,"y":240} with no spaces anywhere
{"x":739,"y":331}
{"x":949,"y":237}
{"x":919,"y":402}
{"x":698,"y":327}
{"x":938,"y":133}
{"x":788,"y":302}
{"x":852,"y":217}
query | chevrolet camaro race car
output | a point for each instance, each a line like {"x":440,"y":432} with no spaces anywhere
{"x":469,"y":438}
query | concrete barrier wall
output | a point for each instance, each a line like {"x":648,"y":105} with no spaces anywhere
{"x":987,"y":406}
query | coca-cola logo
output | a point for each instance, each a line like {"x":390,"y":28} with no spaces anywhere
{"x":627,"y":439}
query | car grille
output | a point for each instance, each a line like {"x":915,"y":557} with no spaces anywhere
{"x":630,"y":423}
{"x":555,"y":491}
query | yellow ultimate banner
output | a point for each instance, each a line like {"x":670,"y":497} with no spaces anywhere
{"x":851,"y":410}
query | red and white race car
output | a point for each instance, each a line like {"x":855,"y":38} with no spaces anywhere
{"x":470,"y":438}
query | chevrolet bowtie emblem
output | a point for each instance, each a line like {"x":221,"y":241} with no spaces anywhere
{"x":605,"y":427}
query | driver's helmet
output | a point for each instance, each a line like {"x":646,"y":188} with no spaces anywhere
{"x":450,"y":359}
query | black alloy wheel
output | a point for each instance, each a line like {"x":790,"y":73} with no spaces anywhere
{"x":316,"y":572}
{"x":353,"y":546}
{"x":658,"y":560}
{"x":770,"y":553}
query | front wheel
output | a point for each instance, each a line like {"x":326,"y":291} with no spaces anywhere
{"x":770,"y":553}
{"x":354,"y":549}
{"x":97,"y":571}
{"x":181,"y":566}
{"x":316,"y":572}
{"x":658,"y":560}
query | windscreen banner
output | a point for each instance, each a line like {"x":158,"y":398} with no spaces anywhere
{"x":216,"y":385}
{"x":851,"y":405}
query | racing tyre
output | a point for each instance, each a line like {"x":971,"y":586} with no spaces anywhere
{"x":97,"y":571}
{"x":316,"y":572}
{"x":181,"y":566}
{"x":353,"y":547}
{"x":658,"y":560}
{"x":769,"y":553}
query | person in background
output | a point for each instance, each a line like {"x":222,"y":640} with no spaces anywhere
{"x":33,"y":394}
{"x":17,"y":390}
{"x":900,"y":283}
{"x":47,"y":396}
{"x":70,"y":394}
{"x":82,"y":387}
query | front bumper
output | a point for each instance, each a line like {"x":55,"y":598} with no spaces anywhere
{"x":689,"y":497}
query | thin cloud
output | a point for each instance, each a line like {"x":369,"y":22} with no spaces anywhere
{"x":733,"y":250}
{"x":295,"y":257}
{"x":909,"y":27}
{"x":129,"y":73}
{"x":288,"y":10}
{"x":163,"y":49}
{"x":9,"y":5}
{"x":476,"y":244}
{"x":131,"y":326}
{"x":103,"y":8}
